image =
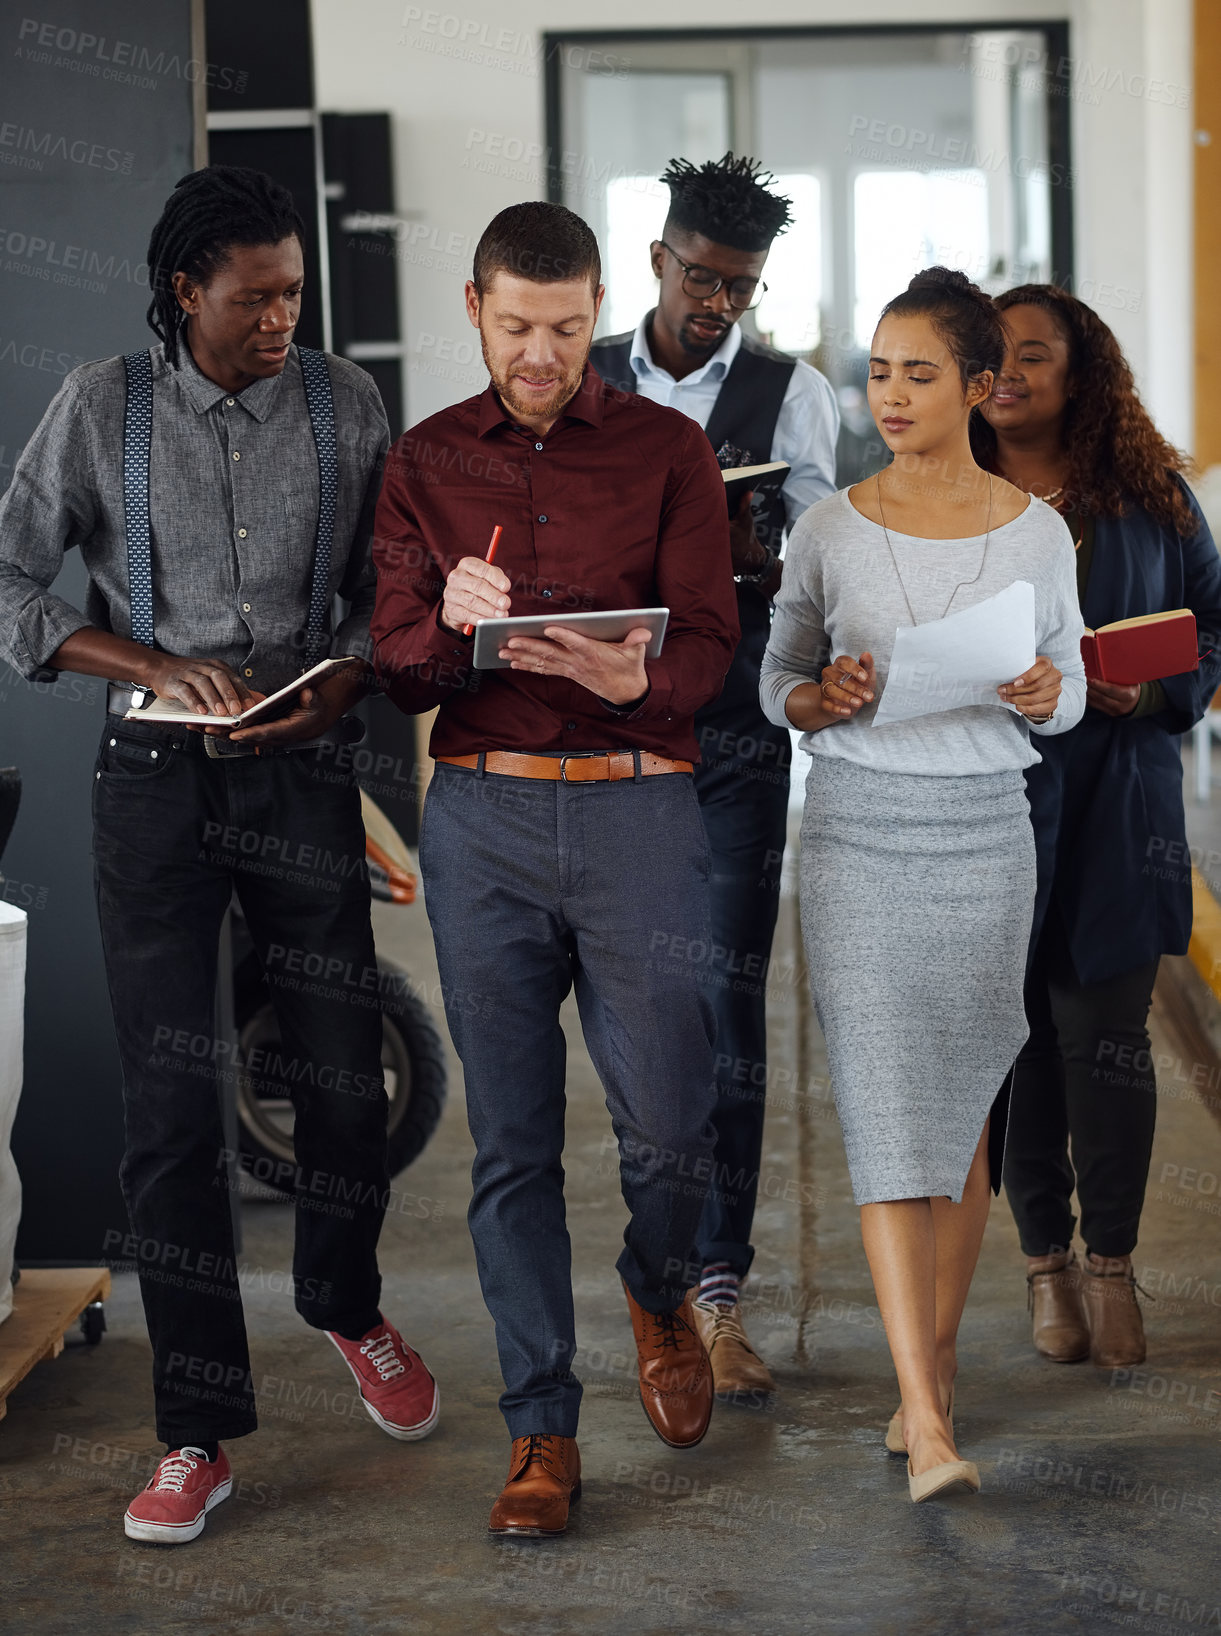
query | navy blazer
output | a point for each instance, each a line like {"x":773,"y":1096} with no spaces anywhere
{"x":1107,"y":799}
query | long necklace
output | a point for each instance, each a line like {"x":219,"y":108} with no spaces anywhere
{"x":962,"y":583}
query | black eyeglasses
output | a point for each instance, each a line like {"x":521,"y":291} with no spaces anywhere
{"x":702,"y":283}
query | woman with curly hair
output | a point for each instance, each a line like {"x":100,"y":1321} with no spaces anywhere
{"x":1114,"y":883}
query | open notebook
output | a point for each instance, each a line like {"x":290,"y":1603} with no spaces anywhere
{"x":275,"y":704}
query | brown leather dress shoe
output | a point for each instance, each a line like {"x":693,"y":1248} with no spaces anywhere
{"x":544,"y":1477}
{"x":738,"y":1372}
{"x":1117,"y":1330}
{"x":1057,"y":1309}
{"x":675,"y":1374}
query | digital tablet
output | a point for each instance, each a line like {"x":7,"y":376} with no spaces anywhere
{"x":612,"y":625}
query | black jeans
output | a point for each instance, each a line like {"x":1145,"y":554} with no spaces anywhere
{"x":175,"y":833}
{"x":743,"y":788}
{"x":1083,"y":1106}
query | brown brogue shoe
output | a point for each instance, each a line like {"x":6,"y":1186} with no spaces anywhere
{"x":738,"y":1372}
{"x":544,"y":1478}
{"x":675,"y":1374}
{"x":1117,"y":1330}
{"x":1057,"y":1308}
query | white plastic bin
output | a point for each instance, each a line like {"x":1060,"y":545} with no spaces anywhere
{"x":12,"y":1039}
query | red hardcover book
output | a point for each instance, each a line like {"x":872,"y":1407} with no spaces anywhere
{"x":1143,"y":649}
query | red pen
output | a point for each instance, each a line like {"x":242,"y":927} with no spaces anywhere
{"x":469,"y":630}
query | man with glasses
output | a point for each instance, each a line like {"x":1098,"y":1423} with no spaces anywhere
{"x":756,"y":405}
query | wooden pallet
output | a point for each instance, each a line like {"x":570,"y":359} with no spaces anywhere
{"x":46,"y":1303}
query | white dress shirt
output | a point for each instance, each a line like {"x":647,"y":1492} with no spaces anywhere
{"x":806,"y":427}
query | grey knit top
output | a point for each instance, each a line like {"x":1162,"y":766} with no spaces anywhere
{"x":841,"y":595}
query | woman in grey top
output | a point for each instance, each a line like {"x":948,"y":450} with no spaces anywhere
{"x":917,"y":863}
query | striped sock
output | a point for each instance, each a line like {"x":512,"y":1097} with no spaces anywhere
{"x":719,"y":1284}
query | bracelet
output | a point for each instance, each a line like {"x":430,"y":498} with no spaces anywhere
{"x":1038,"y":721}
{"x":756,"y":576}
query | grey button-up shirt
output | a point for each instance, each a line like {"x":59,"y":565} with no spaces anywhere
{"x":233,"y":502}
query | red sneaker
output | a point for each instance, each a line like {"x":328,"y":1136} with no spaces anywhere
{"x":394,"y":1383}
{"x":179,"y":1495}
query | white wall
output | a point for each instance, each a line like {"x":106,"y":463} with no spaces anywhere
{"x":1132,"y":133}
{"x":463,"y":80}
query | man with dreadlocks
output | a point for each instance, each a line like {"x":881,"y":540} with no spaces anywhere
{"x":755,"y":405}
{"x":219,"y":515}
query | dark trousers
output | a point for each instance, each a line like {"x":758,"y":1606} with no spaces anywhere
{"x":743,"y":788}
{"x":1083,"y":1105}
{"x":175,"y":833}
{"x":535,"y":888}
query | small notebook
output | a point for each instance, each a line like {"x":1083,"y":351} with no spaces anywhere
{"x":1143,"y":649}
{"x":275,"y":704}
{"x":740,"y":480}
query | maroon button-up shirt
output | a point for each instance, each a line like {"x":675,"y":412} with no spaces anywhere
{"x":620,"y":505}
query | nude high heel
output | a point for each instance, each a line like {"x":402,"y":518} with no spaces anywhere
{"x":950,"y":1477}
{"x":894,"y":1432}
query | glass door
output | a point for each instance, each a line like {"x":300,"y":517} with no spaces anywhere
{"x":619,"y":132}
{"x":900,"y":147}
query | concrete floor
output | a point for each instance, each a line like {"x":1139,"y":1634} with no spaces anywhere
{"x":1101,"y":1491}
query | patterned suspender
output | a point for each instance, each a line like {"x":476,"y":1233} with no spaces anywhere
{"x":137,"y":441}
{"x":137,"y":445}
{"x":322,"y":421}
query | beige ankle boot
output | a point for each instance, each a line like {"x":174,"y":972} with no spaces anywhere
{"x":1060,"y":1331}
{"x":1117,"y":1330}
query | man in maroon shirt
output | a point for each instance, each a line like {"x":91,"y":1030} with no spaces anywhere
{"x":562,"y":845}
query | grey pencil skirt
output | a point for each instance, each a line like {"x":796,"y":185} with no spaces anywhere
{"x":916,"y":902}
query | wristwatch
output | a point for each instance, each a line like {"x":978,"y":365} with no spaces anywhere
{"x":757,"y":576}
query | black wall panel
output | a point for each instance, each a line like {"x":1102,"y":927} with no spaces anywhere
{"x":97,"y":126}
{"x":290,"y":155}
{"x":263,"y":55}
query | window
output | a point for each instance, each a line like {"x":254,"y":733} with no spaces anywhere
{"x":619,"y":133}
{"x":635,"y":210}
{"x":904,"y":220}
{"x":899,"y":146}
{"x":791,"y":311}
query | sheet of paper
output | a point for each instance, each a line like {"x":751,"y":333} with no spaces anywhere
{"x":961,"y":659}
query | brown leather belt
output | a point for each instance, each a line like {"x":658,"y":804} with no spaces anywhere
{"x":598,"y":767}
